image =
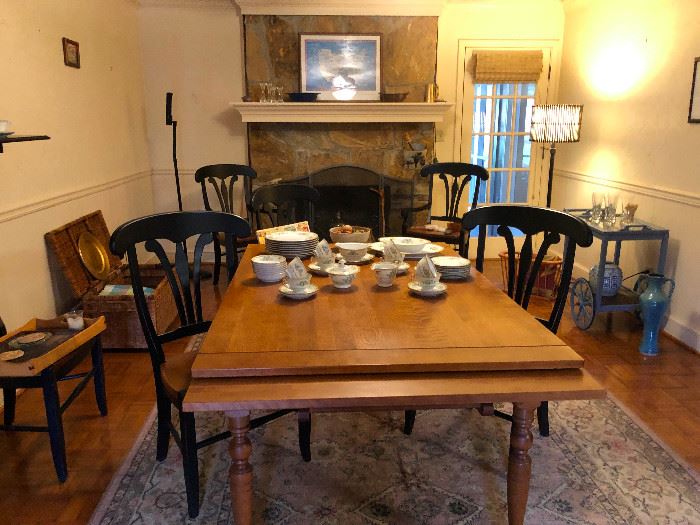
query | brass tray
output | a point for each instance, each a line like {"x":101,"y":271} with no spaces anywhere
{"x":94,"y":256}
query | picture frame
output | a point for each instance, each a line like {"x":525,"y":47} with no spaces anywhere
{"x":71,"y":53}
{"x":694,"y":109}
{"x":341,"y":67}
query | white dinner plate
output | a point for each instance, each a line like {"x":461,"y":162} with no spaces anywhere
{"x":291,"y":236}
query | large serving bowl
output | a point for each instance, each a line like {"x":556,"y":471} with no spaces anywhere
{"x":353,"y":251}
{"x":359,"y":234}
{"x":409,"y":244}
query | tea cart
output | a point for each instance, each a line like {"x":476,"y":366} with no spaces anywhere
{"x":586,"y":302}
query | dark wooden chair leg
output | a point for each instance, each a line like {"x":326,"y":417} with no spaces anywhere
{"x":99,"y":376}
{"x":217,"y":260}
{"x":10,"y":397}
{"x":52,"y":404}
{"x":304,"y":424}
{"x":188,"y":435}
{"x":543,"y":418}
{"x":163,"y":437}
{"x":409,"y":419}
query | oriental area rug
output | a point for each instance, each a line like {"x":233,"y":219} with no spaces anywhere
{"x":597,"y":467}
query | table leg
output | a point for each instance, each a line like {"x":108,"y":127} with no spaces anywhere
{"x":241,"y":472}
{"x":519,"y":462}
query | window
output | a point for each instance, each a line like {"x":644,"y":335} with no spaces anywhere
{"x":500,"y":140}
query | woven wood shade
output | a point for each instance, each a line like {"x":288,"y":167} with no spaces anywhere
{"x":507,"y":66}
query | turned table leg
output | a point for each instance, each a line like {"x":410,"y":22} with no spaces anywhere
{"x":519,"y":462}
{"x":241,"y":472}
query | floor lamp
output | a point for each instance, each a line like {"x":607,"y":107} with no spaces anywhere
{"x":555,"y":123}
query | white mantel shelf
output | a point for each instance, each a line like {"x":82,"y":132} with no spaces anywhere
{"x":342,"y":111}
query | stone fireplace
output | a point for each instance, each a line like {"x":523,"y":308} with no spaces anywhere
{"x":337,"y":156}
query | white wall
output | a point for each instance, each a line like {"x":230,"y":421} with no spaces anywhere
{"x":630,"y":64}
{"x":195,"y":52}
{"x":502,"y":22}
{"x":97,"y":156}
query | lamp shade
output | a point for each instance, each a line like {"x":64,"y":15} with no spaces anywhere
{"x":556,"y":123}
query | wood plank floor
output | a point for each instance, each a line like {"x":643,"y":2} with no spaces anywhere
{"x":663,"y":392}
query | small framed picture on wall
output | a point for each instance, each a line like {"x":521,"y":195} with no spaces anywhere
{"x":694,"y":111}
{"x":71,"y":53}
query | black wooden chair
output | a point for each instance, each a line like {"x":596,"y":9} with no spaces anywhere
{"x":173,"y":375}
{"x":222,"y":178}
{"x":280,"y":204}
{"x":531,"y":221}
{"x":456,"y":178}
{"x":47,"y":380}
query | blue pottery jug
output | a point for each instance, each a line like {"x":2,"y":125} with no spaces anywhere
{"x":653,"y":303}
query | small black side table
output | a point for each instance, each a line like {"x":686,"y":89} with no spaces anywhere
{"x":4,"y":139}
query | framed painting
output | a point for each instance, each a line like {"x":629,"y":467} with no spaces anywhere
{"x":694,"y":111}
{"x":341,"y":67}
{"x":71,"y":53}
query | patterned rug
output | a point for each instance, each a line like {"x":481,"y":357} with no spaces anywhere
{"x":597,"y":467}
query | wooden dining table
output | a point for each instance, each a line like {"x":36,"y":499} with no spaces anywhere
{"x":368,"y":348}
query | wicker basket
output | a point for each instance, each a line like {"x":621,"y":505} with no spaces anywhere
{"x":547,"y":278}
{"x":123,"y":326}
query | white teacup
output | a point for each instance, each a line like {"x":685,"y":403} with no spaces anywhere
{"x":5,"y":126}
{"x":324,"y":264}
{"x":299,"y":284}
{"x":385,"y":272}
{"x":429,"y":281}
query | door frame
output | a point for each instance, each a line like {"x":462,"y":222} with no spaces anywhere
{"x":545,"y":94}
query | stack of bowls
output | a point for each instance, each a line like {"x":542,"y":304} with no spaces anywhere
{"x":269,"y":268}
{"x":291,"y":244}
{"x":452,"y":267}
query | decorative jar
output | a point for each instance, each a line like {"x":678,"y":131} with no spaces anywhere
{"x":612,"y":279}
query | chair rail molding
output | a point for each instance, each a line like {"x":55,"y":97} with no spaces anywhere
{"x":17,"y":212}
{"x":342,"y":7}
{"x":342,"y":111}
{"x":204,"y":4}
{"x":679,"y":197}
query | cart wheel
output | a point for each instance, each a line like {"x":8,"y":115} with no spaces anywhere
{"x":582,"y":304}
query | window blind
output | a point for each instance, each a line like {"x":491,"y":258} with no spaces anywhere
{"x":507,"y":66}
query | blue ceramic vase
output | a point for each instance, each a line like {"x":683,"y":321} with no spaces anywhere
{"x":653,"y":303}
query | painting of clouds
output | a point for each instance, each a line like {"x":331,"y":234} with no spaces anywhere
{"x":341,"y":67}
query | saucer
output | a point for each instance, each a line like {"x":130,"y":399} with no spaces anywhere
{"x":418,"y":289}
{"x":365,"y":259}
{"x":309,"y":291}
{"x":316,"y":269}
{"x":11,"y":354}
{"x":403,"y":268}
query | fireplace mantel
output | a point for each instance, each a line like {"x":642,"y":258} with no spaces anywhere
{"x":342,"y":111}
{"x":342,"y":7}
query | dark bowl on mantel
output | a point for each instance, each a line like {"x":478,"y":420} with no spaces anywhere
{"x":302,"y":97}
{"x":392,"y":97}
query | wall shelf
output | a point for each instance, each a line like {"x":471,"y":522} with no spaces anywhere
{"x":342,"y":111}
{"x":6,"y":139}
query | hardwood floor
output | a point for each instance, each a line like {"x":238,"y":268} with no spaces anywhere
{"x":662,"y":392}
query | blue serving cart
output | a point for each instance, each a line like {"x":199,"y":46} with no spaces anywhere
{"x":586,"y":302}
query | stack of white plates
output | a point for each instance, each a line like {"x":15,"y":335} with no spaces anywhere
{"x":291,"y":244}
{"x":269,"y":268}
{"x":452,"y":267}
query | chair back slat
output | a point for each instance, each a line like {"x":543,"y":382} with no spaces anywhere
{"x":222,"y":178}
{"x":455,"y":177}
{"x":284,"y":204}
{"x":553,"y":225}
{"x":185,"y":287}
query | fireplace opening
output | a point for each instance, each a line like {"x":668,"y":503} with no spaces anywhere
{"x":360,"y":197}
